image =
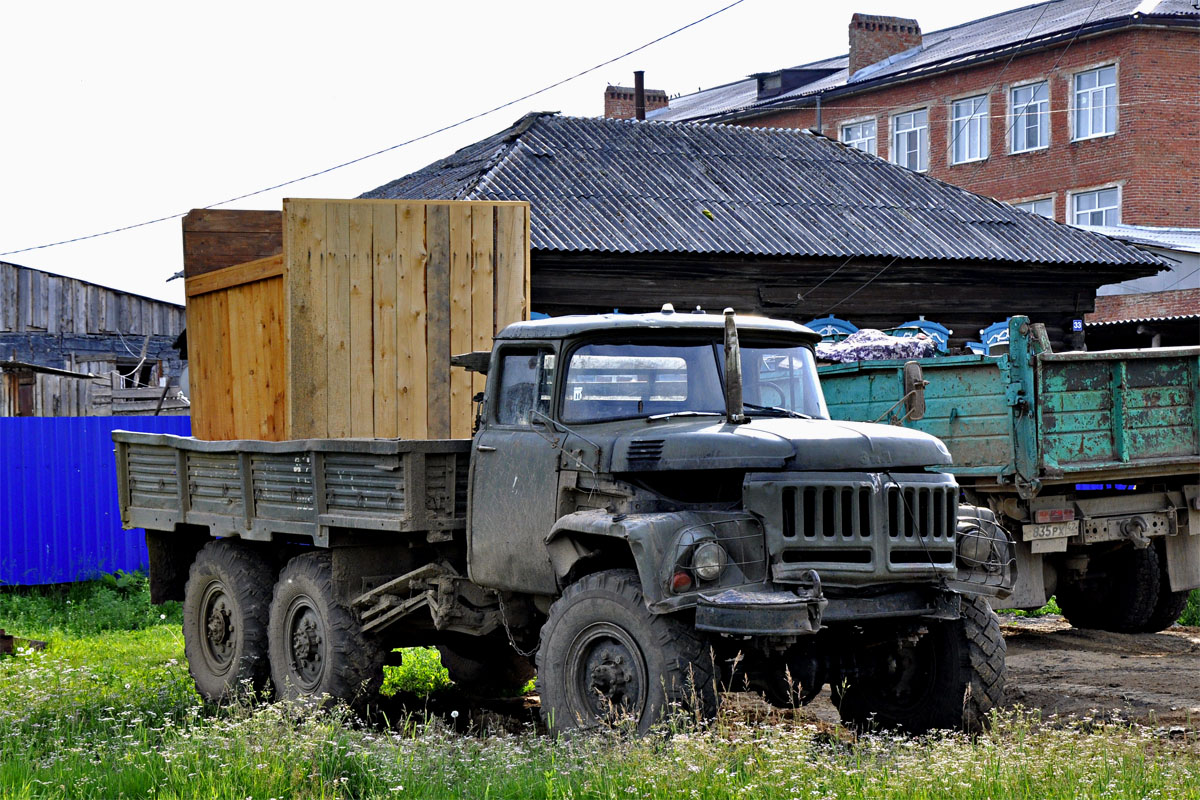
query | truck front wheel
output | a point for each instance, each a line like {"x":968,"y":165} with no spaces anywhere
{"x":225,"y":607}
{"x":949,"y":678}
{"x":604,"y":657}
{"x":317,"y":646}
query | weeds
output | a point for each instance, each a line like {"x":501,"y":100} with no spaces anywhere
{"x":107,"y":713}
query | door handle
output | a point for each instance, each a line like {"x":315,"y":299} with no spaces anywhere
{"x":485,"y":448}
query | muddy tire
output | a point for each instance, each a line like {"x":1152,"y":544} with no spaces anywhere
{"x":1124,"y":601}
{"x":604,"y":658}
{"x":317,"y":647}
{"x":225,"y":609}
{"x":1169,"y":606}
{"x":486,"y":665}
{"x":951,"y":678}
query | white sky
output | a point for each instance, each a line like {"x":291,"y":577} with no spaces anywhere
{"x":119,"y":112}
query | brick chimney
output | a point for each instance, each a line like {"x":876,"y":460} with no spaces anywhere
{"x":873,"y":38}
{"x":619,"y":101}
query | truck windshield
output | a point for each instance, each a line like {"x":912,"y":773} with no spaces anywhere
{"x":625,"y":381}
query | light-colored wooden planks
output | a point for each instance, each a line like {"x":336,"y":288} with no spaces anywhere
{"x":349,"y":332}
{"x":412,"y":377}
{"x":483,"y":289}
{"x":437,"y":321}
{"x":361,"y":355}
{"x":385,"y":254}
{"x":460,"y":316}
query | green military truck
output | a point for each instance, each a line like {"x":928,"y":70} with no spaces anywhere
{"x":652,"y":507}
{"x":1092,"y":459}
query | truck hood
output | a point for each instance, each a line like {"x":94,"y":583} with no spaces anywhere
{"x":775,"y":443}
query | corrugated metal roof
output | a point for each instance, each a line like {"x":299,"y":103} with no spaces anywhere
{"x":944,"y":49}
{"x":623,"y":186}
{"x":1172,"y":318}
{"x":59,"y":518}
{"x":1184,"y":240}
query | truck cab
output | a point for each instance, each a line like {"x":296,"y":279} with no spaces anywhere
{"x":608,"y":443}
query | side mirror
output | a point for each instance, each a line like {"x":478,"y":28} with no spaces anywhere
{"x":914,"y":391}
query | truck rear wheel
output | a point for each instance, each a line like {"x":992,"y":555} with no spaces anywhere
{"x":1169,"y":606}
{"x":317,"y":646}
{"x":605,"y":657}
{"x":950,"y":678}
{"x":225,"y":610}
{"x":1122,"y":597}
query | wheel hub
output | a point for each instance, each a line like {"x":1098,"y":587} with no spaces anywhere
{"x":307,"y":645}
{"x":219,"y":627}
{"x":608,"y":677}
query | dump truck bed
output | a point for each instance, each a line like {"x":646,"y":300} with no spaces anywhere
{"x":1034,"y":415}
{"x":259,"y":490}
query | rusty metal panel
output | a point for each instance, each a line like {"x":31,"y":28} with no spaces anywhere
{"x":1118,"y":408}
{"x":59,"y":516}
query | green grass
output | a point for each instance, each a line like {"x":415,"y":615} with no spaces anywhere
{"x":1191,"y":614}
{"x":108,"y":711}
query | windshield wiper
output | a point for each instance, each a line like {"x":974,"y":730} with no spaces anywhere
{"x":787,"y":412}
{"x":656,"y":417}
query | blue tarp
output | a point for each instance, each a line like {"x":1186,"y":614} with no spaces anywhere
{"x":59,"y":518}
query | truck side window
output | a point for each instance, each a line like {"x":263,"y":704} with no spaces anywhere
{"x":526,"y":383}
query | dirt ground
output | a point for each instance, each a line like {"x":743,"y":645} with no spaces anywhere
{"x":1149,"y":678}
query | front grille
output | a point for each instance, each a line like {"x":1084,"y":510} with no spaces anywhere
{"x":857,"y":527}
{"x":827,"y":512}
{"x":921,"y":512}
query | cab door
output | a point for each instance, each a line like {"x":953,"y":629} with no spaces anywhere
{"x":514,"y":475}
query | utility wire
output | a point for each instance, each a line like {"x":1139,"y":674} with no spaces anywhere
{"x":405,"y":143}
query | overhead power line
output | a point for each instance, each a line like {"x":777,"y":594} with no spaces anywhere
{"x":389,"y":149}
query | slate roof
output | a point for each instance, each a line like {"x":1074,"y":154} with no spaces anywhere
{"x":623,"y":186}
{"x":987,"y":38}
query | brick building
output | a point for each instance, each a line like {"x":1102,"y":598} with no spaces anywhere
{"x":1083,"y":111}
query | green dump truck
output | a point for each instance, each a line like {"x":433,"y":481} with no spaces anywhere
{"x":1093,"y":458}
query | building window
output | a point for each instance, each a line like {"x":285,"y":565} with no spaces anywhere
{"x":969,"y":129}
{"x":910,"y":140}
{"x":1096,"y":102}
{"x":1043,"y":207}
{"x":860,"y":136}
{"x":1101,"y":207}
{"x":1030,"y":117}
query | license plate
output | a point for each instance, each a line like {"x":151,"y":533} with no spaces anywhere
{"x":1050,"y":530}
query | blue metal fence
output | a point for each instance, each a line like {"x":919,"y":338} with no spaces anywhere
{"x":59,"y":519}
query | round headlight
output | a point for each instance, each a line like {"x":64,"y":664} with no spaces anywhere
{"x":709,"y":560}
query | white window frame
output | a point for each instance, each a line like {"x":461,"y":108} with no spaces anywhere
{"x":920,"y":131}
{"x":1017,"y":115}
{"x":1032,"y":203}
{"x":873,"y":139}
{"x":1107,"y":93}
{"x":969,"y":130}
{"x":1073,"y":205}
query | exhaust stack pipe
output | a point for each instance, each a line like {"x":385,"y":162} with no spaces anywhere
{"x":734,"y":412}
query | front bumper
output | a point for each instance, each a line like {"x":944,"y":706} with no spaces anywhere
{"x":762,"y":610}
